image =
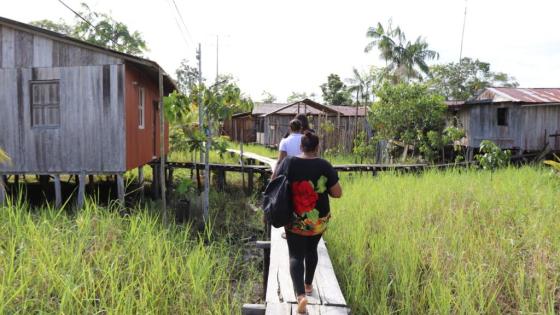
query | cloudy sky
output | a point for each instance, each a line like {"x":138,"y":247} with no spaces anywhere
{"x":293,"y":45}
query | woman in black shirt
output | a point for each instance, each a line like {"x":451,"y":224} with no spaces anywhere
{"x":312,"y":181}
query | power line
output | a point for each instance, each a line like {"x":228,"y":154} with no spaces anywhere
{"x":88,"y":22}
{"x":182,"y":20}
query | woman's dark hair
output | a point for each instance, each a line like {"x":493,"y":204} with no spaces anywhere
{"x":295,"y":125}
{"x":304,"y":121}
{"x":309,"y":141}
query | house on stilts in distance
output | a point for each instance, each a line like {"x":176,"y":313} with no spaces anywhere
{"x":268,"y":123}
{"x":522,"y":119}
{"x":70,"y":107}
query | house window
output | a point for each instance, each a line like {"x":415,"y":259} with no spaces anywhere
{"x":502,"y":116}
{"x":45,"y":103}
{"x":141,"y":107}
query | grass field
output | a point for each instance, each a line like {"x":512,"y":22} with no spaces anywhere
{"x":460,"y":242}
{"x":99,"y":261}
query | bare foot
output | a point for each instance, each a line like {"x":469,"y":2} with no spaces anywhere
{"x":302,"y":304}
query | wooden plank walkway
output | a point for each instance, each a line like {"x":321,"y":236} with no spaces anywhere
{"x":327,"y":298}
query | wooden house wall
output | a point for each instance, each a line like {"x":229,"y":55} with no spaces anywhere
{"x":539,"y":122}
{"x":241,"y":129}
{"x":142,"y":145}
{"x":90,"y":136}
{"x":27,"y":49}
{"x":483,"y":125}
{"x":340,"y":135}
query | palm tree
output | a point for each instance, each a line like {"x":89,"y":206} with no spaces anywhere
{"x":405,"y":60}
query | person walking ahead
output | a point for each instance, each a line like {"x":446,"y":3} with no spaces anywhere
{"x":291,"y":145}
{"x":312,"y":180}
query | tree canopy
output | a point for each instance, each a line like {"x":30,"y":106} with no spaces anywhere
{"x":106,"y":31}
{"x":335,"y":91}
{"x":459,"y":81}
{"x":407,"y":112}
{"x":267,"y":97}
{"x":405,"y":60}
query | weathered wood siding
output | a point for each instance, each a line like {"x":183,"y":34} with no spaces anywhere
{"x":334,"y":132}
{"x":90,"y":137}
{"x":539,"y":122}
{"x":91,"y":134}
{"x":142,"y":144}
{"x":26,"y":49}
{"x":483,"y":125}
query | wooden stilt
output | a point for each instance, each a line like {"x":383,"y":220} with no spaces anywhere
{"x":250,"y":181}
{"x":57,"y":191}
{"x":16,"y":180}
{"x":155,"y":181}
{"x":91,"y":182}
{"x":81,"y":190}
{"x":221,"y":179}
{"x":3,"y":184}
{"x":141,"y":181}
{"x":120,"y":188}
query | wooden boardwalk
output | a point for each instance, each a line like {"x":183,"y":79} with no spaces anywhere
{"x":327,"y":298}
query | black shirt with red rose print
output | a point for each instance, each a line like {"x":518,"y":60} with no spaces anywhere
{"x":310,"y":180}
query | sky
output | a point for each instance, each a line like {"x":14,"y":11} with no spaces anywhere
{"x":293,"y":45}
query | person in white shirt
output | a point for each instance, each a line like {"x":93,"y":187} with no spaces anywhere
{"x":291,"y":145}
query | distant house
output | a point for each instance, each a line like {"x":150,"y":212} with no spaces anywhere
{"x":268,"y":123}
{"x":525,"y":119}
{"x":70,"y":107}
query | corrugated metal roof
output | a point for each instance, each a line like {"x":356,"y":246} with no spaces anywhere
{"x":517,"y":95}
{"x":261,"y":109}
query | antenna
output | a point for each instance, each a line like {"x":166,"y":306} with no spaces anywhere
{"x":463,"y":32}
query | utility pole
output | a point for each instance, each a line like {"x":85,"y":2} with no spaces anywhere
{"x":463,"y":33}
{"x":162,"y":148}
{"x":203,"y":155}
{"x":217,"y":55}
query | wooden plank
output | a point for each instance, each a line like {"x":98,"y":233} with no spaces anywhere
{"x":279,"y":247}
{"x":272,"y":286}
{"x":334,"y":310}
{"x":278,"y":309}
{"x":253,"y":309}
{"x":329,"y":290}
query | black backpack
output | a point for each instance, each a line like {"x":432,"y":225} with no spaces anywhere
{"x":277,"y":202}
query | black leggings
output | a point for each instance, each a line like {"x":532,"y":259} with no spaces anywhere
{"x":302,"y":248}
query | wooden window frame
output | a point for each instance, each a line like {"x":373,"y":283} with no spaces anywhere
{"x":502,"y":116}
{"x":33,"y":106}
{"x":141,"y":108}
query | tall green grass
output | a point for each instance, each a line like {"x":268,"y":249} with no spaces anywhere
{"x":100,"y":261}
{"x":457,"y":242}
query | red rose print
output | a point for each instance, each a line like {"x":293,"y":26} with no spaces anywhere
{"x":304,"y":197}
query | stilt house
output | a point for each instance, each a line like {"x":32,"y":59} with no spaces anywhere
{"x":70,"y":107}
{"x":514,"y":118}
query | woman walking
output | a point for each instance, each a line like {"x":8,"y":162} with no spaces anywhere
{"x":312,"y":181}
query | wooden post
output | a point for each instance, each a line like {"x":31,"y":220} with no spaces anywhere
{"x":57,"y":191}
{"x":3,"y":184}
{"x":250,"y":181}
{"x":220,"y":179}
{"x":81,"y":190}
{"x":91,"y":182}
{"x":16,"y":180}
{"x":155,"y":181}
{"x":141,"y":181}
{"x":120,"y":188}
